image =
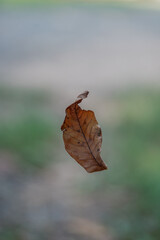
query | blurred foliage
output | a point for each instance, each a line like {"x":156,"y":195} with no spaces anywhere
{"x":134,"y":148}
{"x":131,"y":185}
{"x":27,"y":126}
{"x":32,"y":2}
{"x":128,"y":193}
{"x":92,"y":2}
{"x":137,"y":136}
{"x":11,"y":234}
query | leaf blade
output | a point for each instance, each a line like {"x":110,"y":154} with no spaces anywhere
{"x":83,"y":137}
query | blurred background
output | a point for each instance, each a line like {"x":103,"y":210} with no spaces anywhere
{"x":50,"y":52}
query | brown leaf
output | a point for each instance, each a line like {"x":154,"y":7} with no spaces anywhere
{"x":83,"y":137}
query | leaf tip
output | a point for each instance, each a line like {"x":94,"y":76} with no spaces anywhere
{"x":83,"y":95}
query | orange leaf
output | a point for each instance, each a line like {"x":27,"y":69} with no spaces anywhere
{"x":83,"y":137}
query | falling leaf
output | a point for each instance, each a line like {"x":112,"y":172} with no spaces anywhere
{"x":83,"y":137}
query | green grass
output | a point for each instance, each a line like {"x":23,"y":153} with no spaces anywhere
{"x":131,"y":147}
{"x":34,"y":2}
{"x":136,"y":139}
{"x":64,"y":2}
{"x":27,"y":126}
{"x":131,"y":144}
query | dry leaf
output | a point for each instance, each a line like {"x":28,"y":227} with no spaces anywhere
{"x":83,"y":137}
